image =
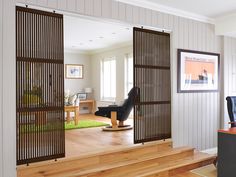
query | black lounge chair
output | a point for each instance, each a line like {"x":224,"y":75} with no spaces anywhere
{"x":231,"y":105}
{"x":120,"y":113}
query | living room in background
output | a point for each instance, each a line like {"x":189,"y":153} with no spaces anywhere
{"x":102,"y":54}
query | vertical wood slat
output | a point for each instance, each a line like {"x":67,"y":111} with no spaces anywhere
{"x":40,"y":90}
{"x":152,"y":113}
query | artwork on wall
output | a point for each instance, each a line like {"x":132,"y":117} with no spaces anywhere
{"x":74,"y":71}
{"x":197,"y":71}
{"x":82,"y":96}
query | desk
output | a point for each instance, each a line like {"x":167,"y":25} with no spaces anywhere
{"x":226,"y":152}
{"x":74,"y":109}
{"x":88,"y":103}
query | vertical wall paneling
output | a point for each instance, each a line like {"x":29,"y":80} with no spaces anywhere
{"x":229,"y":74}
{"x":129,"y":13}
{"x":1,"y":84}
{"x":88,"y":7}
{"x":41,"y":2}
{"x":122,"y":11}
{"x":8,"y":129}
{"x":53,"y":4}
{"x":135,"y":15}
{"x":80,"y":6}
{"x":106,"y":8}
{"x":62,"y":4}
{"x":154,"y":18}
{"x":142,"y":16}
{"x":71,"y":5}
{"x":31,"y":1}
{"x":39,"y":86}
{"x":187,"y":34}
{"x":148,"y":17}
{"x":114,"y":10}
{"x":98,"y":8}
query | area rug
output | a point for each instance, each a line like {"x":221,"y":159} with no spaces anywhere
{"x":206,"y":171}
{"x":84,"y":124}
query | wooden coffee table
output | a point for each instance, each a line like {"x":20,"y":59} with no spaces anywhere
{"x":74,"y":109}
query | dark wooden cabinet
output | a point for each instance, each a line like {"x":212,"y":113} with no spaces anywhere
{"x":226,"y":153}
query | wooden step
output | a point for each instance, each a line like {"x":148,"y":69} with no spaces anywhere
{"x":88,"y":161}
{"x":141,"y":161}
{"x":177,"y":167}
{"x":163,"y":167}
{"x":167,"y":169}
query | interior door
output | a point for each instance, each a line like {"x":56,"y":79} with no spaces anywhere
{"x":39,"y":85}
{"x":152,"y":111}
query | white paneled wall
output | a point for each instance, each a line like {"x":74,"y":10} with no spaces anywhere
{"x":229,"y":73}
{"x":195,"y":116}
{"x":1,"y":115}
{"x":7,"y":89}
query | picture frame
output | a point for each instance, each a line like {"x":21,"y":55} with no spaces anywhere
{"x":82,"y":96}
{"x":74,"y":71}
{"x":197,"y":71}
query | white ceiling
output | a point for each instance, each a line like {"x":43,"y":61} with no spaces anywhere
{"x":88,"y":35}
{"x":208,"y":8}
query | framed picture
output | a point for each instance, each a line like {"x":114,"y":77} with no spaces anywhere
{"x":198,"y":71}
{"x":82,"y":96}
{"x":74,"y":71}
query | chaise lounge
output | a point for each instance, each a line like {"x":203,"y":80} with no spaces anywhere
{"x":120,"y":113}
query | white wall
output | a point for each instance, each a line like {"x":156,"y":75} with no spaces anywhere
{"x":1,"y":67}
{"x":119,"y":55}
{"x":74,"y":85}
{"x":7,"y":89}
{"x":195,"y":116}
{"x":229,"y":74}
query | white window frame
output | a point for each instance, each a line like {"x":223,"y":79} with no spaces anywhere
{"x":104,"y":83}
{"x":127,"y":71}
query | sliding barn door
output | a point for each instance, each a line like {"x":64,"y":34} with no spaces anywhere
{"x":39,"y":85}
{"x":152,"y":111}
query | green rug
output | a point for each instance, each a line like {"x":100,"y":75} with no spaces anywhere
{"x":53,"y":126}
{"x":84,"y":124}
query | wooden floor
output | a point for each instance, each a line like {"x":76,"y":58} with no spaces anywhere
{"x":90,"y":140}
{"x":187,"y":174}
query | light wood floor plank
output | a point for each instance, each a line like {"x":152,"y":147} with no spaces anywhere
{"x":89,"y":140}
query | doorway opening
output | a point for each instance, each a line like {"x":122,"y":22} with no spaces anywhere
{"x":103,"y":54}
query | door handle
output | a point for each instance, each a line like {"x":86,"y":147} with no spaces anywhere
{"x":50,"y":80}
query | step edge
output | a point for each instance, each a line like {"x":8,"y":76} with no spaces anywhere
{"x":129,"y":162}
{"x":189,"y":162}
{"x":71,"y":159}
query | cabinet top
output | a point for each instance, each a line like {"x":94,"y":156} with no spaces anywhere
{"x":229,"y":130}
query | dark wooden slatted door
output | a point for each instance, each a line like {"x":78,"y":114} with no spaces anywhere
{"x":40,"y":85}
{"x":152,"y":111}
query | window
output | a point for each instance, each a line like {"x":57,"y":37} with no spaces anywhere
{"x":128,"y":73}
{"x":108,"y":79}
